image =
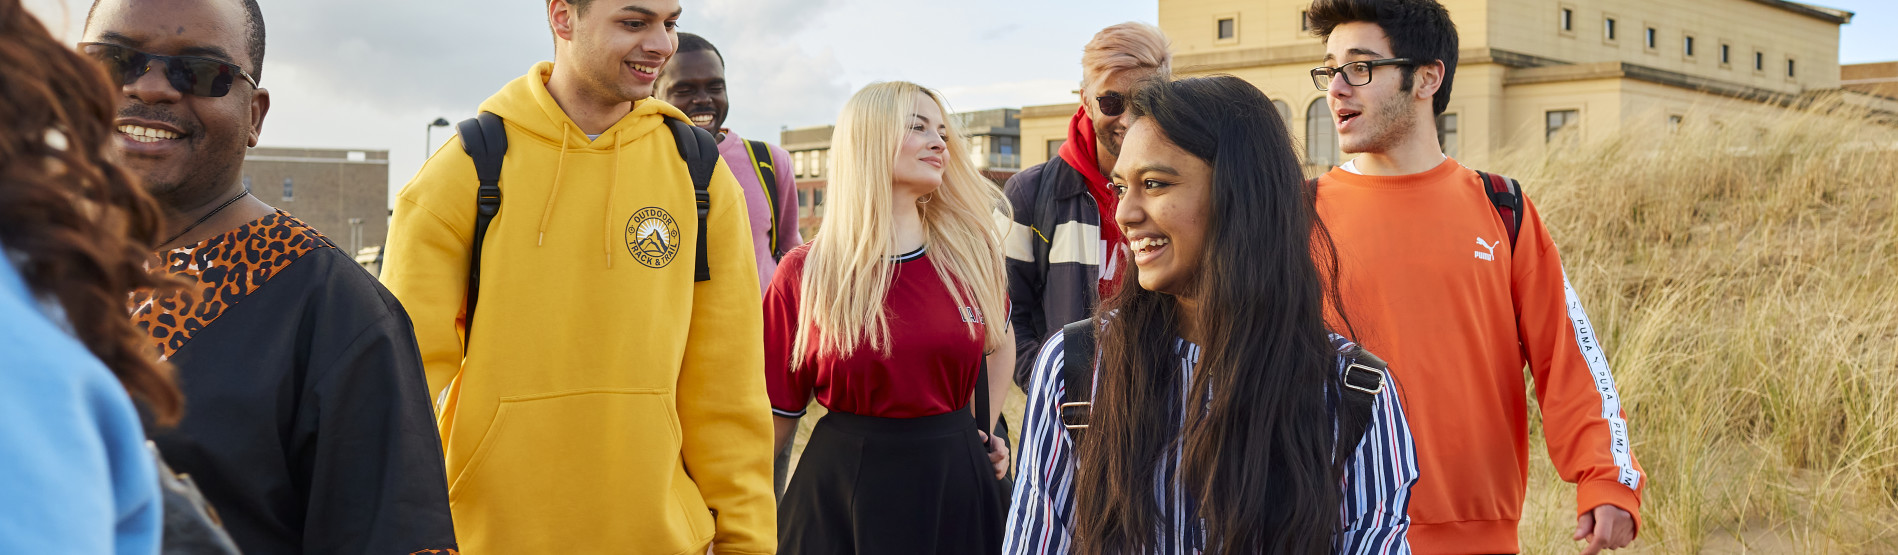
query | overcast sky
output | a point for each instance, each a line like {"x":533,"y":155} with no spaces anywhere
{"x":366,"y":73}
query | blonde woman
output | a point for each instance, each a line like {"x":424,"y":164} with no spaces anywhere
{"x":893,"y":317}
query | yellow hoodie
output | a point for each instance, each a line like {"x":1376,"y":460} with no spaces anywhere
{"x":608,"y":404}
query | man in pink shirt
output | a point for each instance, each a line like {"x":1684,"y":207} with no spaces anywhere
{"x":694,"y":81}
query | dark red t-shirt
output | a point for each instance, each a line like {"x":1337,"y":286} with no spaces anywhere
{"x":931,"y":368}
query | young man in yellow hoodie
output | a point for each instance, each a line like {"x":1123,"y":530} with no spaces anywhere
{"x":605,"y":400}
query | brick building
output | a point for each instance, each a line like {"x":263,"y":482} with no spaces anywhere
{"x":342,"y":193}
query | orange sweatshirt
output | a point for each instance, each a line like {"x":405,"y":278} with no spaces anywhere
{"x":1431,"y":283}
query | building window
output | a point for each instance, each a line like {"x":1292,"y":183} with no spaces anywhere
{"x":1789,"y":67}
{"x":1649,"y":38}
{"x":817,"y":162}
{"x":1446,"y":134}
{"x":1304,"y":20}
{"x":288,"y":193}
{"x":1054,"y":148}
{"x":1285,"y":112}
{"x":1558,"y":119}
{"x":1608,"y":28}
{"x":797,"y":159}
{"x":1726,"y":54}
{"x":1759,"y":61}
{"x":1321,"y":138}
{"x":1687,"y":46}
{"x":1228,"y":28}
{"x":1568,"y":19}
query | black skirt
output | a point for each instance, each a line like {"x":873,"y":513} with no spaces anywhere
{"x":874,"y":486}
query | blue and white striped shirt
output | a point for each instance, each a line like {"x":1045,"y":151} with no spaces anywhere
{"x":1377,"y":477}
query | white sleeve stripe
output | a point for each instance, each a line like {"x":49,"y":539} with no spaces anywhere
{"x":1020,"y":242}
{"x":1076,"y":242}
{"x":1585,"y":339}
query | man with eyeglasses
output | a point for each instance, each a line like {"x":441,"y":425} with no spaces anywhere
{"x":1450,"y":275}
{"x":307,"y":422}
{"x":1061,"y":259}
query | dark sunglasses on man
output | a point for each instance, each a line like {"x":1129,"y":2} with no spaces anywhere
{"x":1356,"y":74}
{"x":192,"y":75}
{"x":1111,"y":104}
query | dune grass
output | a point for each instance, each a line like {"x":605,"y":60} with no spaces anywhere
{"x":1744,"y":279}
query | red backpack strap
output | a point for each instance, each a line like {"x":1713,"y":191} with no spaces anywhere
{"x":1506,"y":195}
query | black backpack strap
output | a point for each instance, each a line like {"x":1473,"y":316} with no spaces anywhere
{"x":700,"y":152}
{"x":1506,"y":194}
{"x":484,"y":138}
{"x":1077,"y":374}
{"x":768,"y":176}
{"x":1364,"y":377}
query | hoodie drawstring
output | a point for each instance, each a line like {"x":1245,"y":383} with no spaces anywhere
{"x":606,"y":212}
{"x":548,"y":210}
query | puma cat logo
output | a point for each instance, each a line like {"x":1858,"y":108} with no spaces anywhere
{"x":1489,"y":247}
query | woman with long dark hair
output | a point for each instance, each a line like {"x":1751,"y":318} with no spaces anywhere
{"x":75,"y":232}
{"x":1221,"y":392}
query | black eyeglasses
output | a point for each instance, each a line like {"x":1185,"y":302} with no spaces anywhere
{"x":1111,"y":104}
{"x":190,"y":75}
{"x":1356,"y":74}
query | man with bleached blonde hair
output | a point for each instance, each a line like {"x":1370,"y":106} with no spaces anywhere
{"x":1061,"y":259}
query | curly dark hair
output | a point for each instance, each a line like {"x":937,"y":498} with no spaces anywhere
{"x":83,"y":225}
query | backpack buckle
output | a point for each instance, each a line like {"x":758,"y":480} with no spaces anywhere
{"x":1372,"y":381}
{"x":1086,"y":412}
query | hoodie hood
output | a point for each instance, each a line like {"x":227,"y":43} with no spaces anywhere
{"x":527,"y":105}
{"x":1078,"y":152}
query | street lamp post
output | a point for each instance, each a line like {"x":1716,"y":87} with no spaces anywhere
{"x":428,"y":140}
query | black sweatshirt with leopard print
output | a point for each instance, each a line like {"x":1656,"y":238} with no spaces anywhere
{"x":307,"y":419}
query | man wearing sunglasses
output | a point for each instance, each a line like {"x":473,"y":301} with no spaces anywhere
{"x":601,"y":395}
{"x":1061,"y":259}
{"x":1483,"y":290}
{"x":308,"y":423}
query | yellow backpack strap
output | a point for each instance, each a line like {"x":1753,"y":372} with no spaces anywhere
{"x":768,"y":178}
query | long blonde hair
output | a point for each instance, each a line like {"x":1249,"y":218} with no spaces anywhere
{"x":848,"y":271}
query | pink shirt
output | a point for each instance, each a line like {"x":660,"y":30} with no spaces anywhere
{"x":733,"y":150}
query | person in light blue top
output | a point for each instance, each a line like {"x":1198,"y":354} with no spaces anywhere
{"x":78,"y":478}
{"x":75,"y":232}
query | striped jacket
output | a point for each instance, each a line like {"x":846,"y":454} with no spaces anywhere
{"x":1054,"y":253}
{"x":1376,"y":487}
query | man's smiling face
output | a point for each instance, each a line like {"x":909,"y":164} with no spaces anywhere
{"x":695,"y":83}
{"x":186,"y":148}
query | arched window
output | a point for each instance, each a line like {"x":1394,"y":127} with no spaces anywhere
{"x":1285,"y":112}
{"x":1321,"y":138}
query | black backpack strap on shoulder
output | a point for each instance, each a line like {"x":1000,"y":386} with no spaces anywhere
{"x":1364,"y":378}
{"x":1506,"y":194}
{"x":700,"y":152}
{"x":484,"y":138}
{"x":768,"y":177}
{"x":1077,"y":374}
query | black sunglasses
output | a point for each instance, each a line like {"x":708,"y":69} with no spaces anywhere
{"x":1356,"y":74}
{"x":1111,"y":104}
{"x":190,"y":75}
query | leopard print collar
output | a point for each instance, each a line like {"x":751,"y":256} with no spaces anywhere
{"x":218,"y":273}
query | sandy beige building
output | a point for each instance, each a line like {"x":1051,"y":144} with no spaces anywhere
{"x":1531,"y":71}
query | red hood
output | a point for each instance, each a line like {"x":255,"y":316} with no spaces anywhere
{"x":1078,"y":152}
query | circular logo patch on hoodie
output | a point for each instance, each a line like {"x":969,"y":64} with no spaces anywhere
{"x":652,"y":237}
